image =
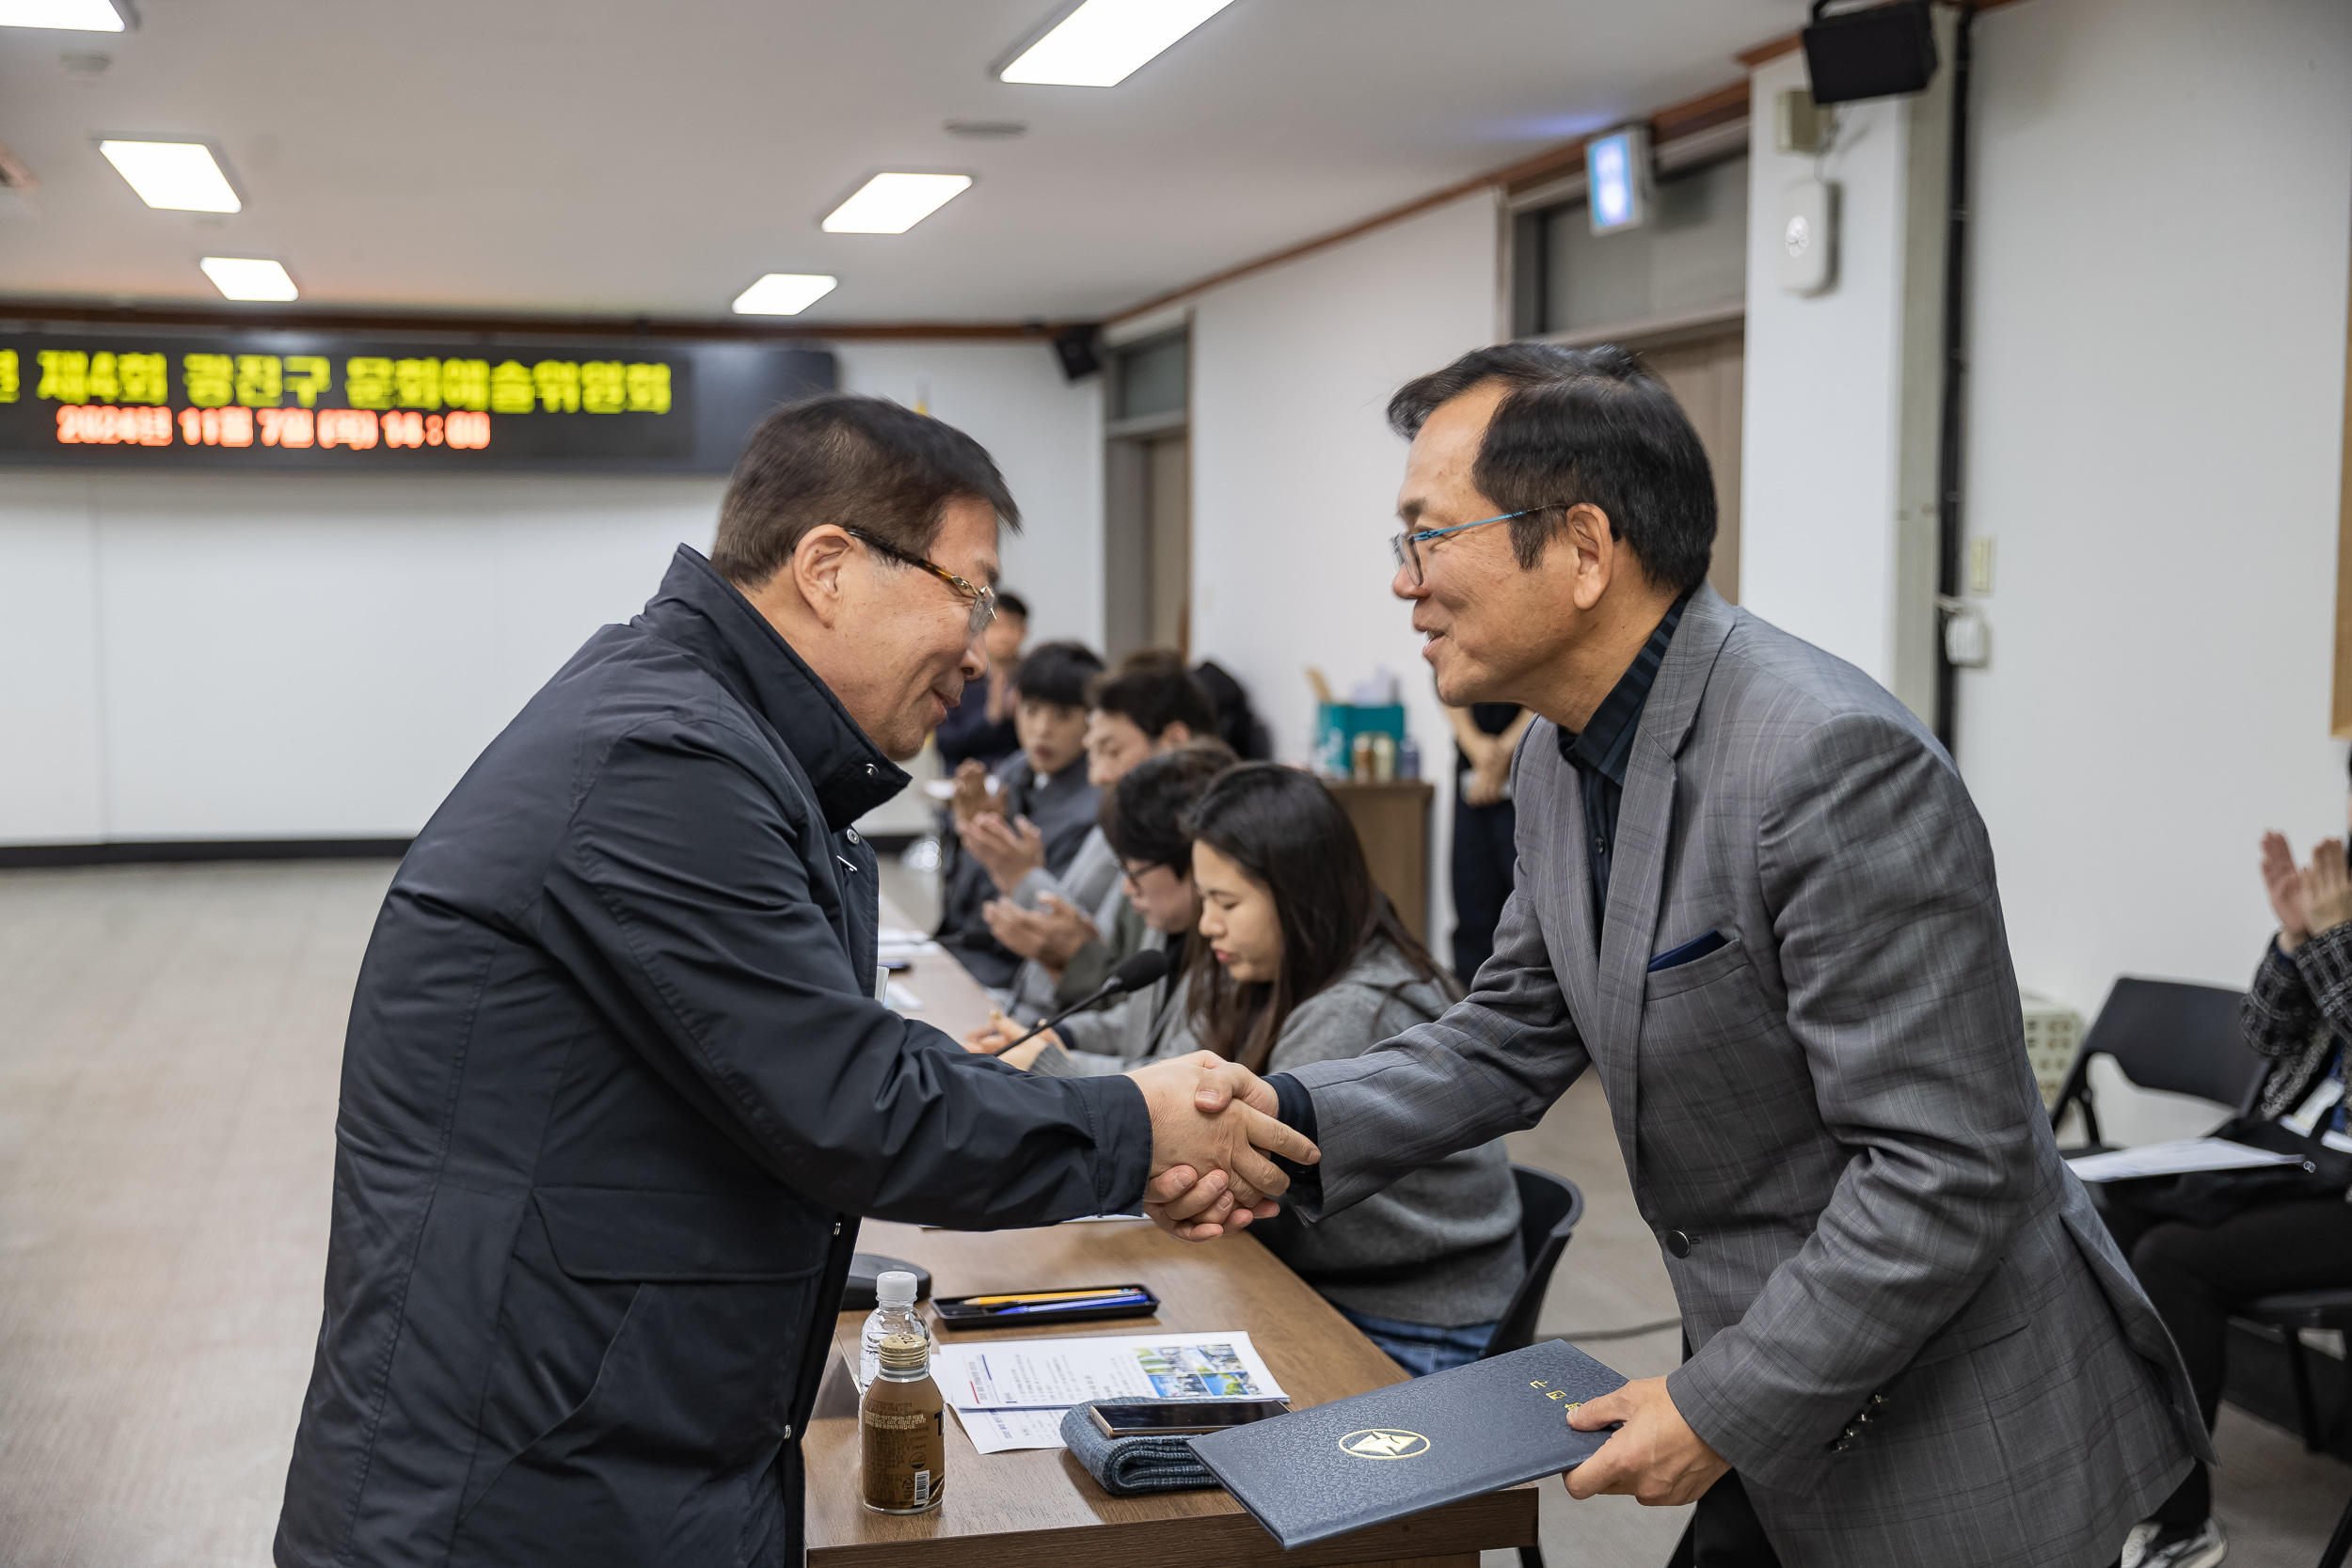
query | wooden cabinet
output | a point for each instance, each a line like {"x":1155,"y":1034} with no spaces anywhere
{"x":1392,"y":824}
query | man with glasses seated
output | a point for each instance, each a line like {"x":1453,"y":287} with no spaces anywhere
{"x":617,"y":1087}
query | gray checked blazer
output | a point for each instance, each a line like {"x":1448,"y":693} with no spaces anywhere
{"x":1912,"y":1336}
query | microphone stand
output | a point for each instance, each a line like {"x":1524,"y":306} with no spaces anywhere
{"x":1108,"y":988}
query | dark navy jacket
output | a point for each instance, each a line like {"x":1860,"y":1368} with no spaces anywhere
{"x":614,"y":1092}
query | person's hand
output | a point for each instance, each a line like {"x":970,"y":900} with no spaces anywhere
{"x":1485,"y":784}
{"x":1222,"y":1150}
{"x":2285,"y":883}
{"x":972,"y":797}
{"x":1062,"y":931}
{"x":2326,"y":888}
{"x":1009,"y":850}
{"x":999,"y":1032}
{"x":1021,"y":931}
{"x":1181,"y":1200}
{"x":1654,"y":1456}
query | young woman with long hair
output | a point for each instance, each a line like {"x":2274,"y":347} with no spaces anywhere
{"x":1301,"y":959}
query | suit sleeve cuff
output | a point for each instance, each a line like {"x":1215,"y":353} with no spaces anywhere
{"x":1296,"y":1110}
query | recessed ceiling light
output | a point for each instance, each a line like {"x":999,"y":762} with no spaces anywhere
{"x":247,"y":277}
{"x":1104,"y":42}
{"x":181,"y":175}
{"x":784,"y":294}
{"x":893,"y":203}
{"x":80,"y":16}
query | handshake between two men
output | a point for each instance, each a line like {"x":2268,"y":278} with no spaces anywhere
{"x":1214,"y":1131}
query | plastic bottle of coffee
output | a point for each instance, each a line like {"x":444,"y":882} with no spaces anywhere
{"x":901,"y":1421}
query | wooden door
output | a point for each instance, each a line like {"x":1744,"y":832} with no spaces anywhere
{"x":1706,"y":378}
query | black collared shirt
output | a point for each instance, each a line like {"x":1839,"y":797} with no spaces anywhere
{"x":1600,"y":754}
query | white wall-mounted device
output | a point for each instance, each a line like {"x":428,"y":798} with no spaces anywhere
{"x":1808,"y":236}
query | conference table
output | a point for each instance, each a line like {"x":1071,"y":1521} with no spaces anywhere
{"x":1038,"y":1507}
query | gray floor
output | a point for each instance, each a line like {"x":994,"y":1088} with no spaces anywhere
{"x":168,"y":1048}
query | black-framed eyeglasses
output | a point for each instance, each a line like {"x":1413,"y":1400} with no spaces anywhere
{"x":1406,"y":547}
{"x":982,"y":600}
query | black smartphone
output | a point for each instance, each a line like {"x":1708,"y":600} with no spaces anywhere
{"x":1180,"y":1417}
{"x":1062,"y":1304}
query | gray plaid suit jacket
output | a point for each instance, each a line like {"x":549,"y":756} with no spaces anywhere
{"x":1911,"y":1333}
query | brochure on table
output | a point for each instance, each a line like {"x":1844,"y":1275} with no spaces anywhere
{"x":1011,"y":1393}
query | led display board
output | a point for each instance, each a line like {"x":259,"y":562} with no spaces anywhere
{"x":326,"y":403}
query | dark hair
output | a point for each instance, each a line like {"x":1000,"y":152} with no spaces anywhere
{"x":1143,"y":813}
{"x":1281,"y":826}
{"x":1056,"y":673}
{"x":1151,"y":688}
{"x":1583,"y":426}
{"x":1010,"y":603}
{"x":856,"y":462}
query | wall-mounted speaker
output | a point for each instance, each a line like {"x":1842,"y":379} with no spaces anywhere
{"x":1075,"y":347}
{"x":1877,"y":52}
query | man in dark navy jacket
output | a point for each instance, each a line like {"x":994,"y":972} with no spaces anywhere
{"x":616,"y":1087}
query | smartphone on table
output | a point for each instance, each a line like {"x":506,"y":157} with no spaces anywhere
{"x":1180,"y":1417}
{"x":1064,"y":1305}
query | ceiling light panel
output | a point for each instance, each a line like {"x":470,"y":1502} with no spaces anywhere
{"x":1104,"y":42}
{"x":79,"y":16}
{"x":179,"y":175}
{"x":784,"y":294}
{"x":246,"y":278}
{"x":893,"y":203}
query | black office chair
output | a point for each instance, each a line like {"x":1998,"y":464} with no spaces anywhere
{"x":2288,"y":1312}
{"x":2163,"y":1035}
{"x":1550,"y":1206}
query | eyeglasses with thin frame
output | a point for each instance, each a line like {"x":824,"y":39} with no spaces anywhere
{"x":1407,"y":545}
{"x":982,"y":600}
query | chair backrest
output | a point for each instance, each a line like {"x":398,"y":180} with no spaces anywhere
{"x":1549,"y":1207}
{"x":2167,"y":1035}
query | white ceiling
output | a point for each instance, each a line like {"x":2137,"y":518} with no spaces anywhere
{"x":597,"y":156}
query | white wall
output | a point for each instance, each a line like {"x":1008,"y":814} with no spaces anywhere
{"x":299,"y":657}
{"x":1820,"y":449}
{"x":1044,"y":434}
{"x":1295,"y":470}
{"x":2155,"y":419}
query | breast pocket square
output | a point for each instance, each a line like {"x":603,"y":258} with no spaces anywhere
{"x":1690,"y":951}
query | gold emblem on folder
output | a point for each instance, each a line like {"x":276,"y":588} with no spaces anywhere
{"x":1385,"y":1443}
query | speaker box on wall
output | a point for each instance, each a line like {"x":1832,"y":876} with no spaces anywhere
{"x":1075,"y":347}
{"x":1877,"y":52}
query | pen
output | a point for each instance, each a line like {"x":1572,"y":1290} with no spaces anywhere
{"x":1049,"y":1295}
{"x":1071,"y":1306}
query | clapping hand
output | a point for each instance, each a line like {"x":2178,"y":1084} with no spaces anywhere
{"x":1209,"y":1159}
{"x":2326,"y":888}
{"x":2285,"y":883}
{"x":1009,"y":850}
{"x":971,"y":799}
{"x":1052,"y":933}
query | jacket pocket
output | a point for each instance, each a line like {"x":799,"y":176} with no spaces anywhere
{"x":1703,"y":971}
{"x":626,"y":1235}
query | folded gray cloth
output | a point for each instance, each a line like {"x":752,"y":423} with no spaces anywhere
{"x":1130,"y":1466}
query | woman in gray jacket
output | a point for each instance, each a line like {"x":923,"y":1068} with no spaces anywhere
{"x":1302,"y":959}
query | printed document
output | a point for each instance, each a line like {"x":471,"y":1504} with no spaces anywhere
{"x":2173,"y":1159}
{"x":1011,"y":1393}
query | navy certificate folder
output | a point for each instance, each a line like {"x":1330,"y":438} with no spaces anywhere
{"x":1318,"y":1473}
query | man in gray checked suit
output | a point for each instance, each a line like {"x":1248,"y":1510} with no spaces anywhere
{"x":1754,"y":893}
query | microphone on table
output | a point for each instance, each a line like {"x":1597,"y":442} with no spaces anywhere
{"x":1146,"y":968}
